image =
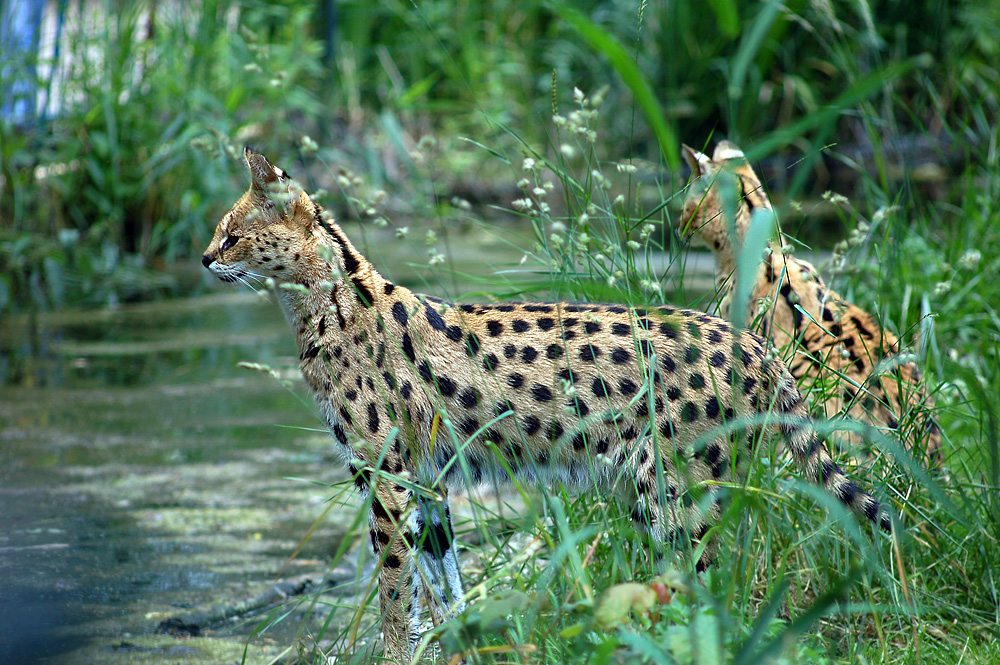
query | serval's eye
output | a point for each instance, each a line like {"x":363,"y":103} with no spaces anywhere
{"x":229,"y":243}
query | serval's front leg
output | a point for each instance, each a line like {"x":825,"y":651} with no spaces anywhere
{"x":438,"y":559}
{"x":393,"y":541}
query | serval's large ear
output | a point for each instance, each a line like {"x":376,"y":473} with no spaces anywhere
{"x":726,"y":150}
{"x":263,"y":174}
{"x":698,"y":161}
{"x":730,"y":156}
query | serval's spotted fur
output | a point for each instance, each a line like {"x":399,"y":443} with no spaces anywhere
{"x":593,"y":396}
{"x":830,"y":342}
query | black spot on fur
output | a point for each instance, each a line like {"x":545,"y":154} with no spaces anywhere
{"x":435,"y":540}
{"x":579,"y":405}
{"x":862,"y":328}
{"x":338,"y":433}
{"x":425,"y":371}
{"x":600,"y":387}
{"x":591,"y":327}
{"x":567,"y":375}
{"x":718,"y":359}
{"x":472,"y":345}
{"x":827,"y":469}
{"x":345,"y":415}
{"x":408,"y":348}
{"x":519,"y":325}
{"x":541,"y":393}
{"x":434,"y":318}
{"x":621,"y":329}
{"x":545,"y":323}
{"x":690,"y":412}
{"x":531,"y":425}
{"x":363,"y":293}
{"x":589,"y":352}
{"x":553,"y":351}
{"x":712,"y":407}
{"x":373,"y":418}
{"x":446,"y":386}
{"x":509,"y":351}
{"x":669,"y":364}
{"x":620,"y":356}
{"x":491,"y":362}
{"x":528,"y":354}
{"x":515,"y":380}
{"x":627,"y":387}
{"x":469,"y":426}
{"x":469,"y":398}
{"x":691,"y":354}
{"x":668,"y":329}
{"x":399,"y":313}
{"x":494,"y":328}
{"x":673,"y":393}
{"x":696,"y":381}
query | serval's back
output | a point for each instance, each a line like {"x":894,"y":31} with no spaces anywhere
{"x":834,"y":345}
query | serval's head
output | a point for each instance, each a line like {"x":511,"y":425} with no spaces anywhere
{"x":271,"y":231}
{"x":723,"y":193}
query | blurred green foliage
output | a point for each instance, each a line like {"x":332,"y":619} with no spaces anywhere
{"x":129,"y":173}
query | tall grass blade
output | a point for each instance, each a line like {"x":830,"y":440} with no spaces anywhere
{"x":629,"y":72}
{"x":750,"y":45}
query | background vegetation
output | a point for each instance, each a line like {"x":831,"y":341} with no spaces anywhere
{"x":419,"y":116}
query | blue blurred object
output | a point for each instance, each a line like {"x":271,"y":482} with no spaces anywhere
{"x":20,"y":28}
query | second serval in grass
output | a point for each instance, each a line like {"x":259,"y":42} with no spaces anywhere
{"x":423,"y":396}
{"x":833,"y":344}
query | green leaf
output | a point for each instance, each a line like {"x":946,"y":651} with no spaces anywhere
{"x":571,"y":632}
{"x":752,"y":40}
{"x":861,"y":89}
{"x":625,"y":65}
{"x":727,"y":16}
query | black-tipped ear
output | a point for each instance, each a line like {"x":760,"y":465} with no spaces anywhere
{"x":262,"y":172}
{"x":698,"y":161}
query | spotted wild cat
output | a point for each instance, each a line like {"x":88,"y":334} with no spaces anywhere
{"x":593,"y":396}
{"x":834,"y":341}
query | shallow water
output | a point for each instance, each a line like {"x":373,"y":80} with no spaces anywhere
{"x":144,"y":474}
